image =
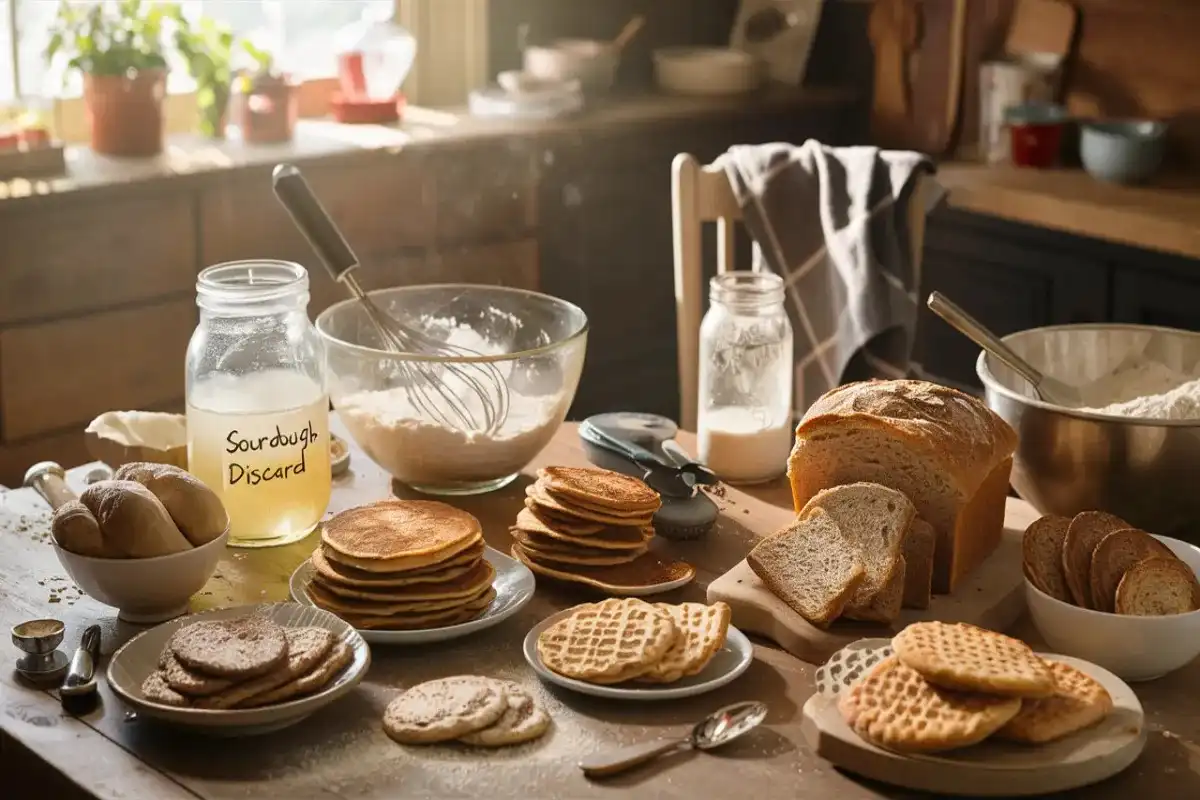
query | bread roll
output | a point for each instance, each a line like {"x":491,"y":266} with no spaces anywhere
{"x":132,"y":521}
{"x":75,"y":530}
{"x":195,"y":509}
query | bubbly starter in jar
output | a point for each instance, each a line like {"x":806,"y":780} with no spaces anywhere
{"x":261,"y":441}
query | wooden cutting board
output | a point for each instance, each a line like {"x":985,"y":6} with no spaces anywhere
{"x":993,"y":597}
{"x":1042,"y":26}
{"x":937,"y":89}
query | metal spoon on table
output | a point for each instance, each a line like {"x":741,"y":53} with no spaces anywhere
{"x":1048,"y":389}
{"x":718,"y":728}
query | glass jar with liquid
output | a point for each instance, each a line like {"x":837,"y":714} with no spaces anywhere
{"x":257,"y":409}
{"x":744,"y":417}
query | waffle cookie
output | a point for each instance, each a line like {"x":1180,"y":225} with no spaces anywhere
{"x":894,"y":707}
{"x":402,"y":565}
{"x":1078,"y":702}
{"x":619,"y":640}
{"x":967,"y":658}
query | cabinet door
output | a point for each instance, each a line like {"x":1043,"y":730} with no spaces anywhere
{"x":1149,"y":298}
{"x":1006,"y":284}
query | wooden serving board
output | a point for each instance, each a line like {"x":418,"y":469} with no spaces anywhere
{"x":991,"y":769}
{"x":993,"y":597}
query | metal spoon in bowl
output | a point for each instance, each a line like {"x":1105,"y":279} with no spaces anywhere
{"x":1048,"y":389}
{"x":718,"y":728}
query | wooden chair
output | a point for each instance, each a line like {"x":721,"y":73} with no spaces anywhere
{"x":699,"y":194}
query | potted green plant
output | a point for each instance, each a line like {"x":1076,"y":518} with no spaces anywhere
{"x":118,"y":47}
{"x":263,"y":104}
{"x":207,"y":47}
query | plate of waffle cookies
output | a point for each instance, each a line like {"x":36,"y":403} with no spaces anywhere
{"x":961,"y":710}
{"x":411,"y":572}
{"x":240,"y":671}
{"x":627,"y":648}
{"x":594,"y":527}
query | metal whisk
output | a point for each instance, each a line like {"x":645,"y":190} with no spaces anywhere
{"x":427,"y":387}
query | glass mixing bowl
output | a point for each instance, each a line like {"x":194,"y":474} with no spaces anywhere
{"x":404,"y":409}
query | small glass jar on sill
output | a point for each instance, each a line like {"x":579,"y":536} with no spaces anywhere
{"x":744,"y":420}
{"x":257,"y":407}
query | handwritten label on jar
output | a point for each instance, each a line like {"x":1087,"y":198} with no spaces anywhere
{"x":295,"y":443}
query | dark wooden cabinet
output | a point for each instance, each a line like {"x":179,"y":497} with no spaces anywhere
{"x":1145,"y":297}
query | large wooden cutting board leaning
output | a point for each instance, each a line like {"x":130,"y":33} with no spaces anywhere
{"x":992,"y":597}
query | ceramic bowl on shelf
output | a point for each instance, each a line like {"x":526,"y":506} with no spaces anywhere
{"x":530,"y":350}
{"x":145,"y":590}
{"x":1132,"y":648}
{"x":707,"y":71}
{"x":1124,"y":151}
{"x":591,"y":62}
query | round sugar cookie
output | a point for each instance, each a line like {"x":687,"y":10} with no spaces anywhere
{"x":235,"y":648}
{"x":522,"y":721}
{"x":444,"y":709}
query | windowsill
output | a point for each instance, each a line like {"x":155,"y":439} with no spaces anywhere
{"x":191,"y":156}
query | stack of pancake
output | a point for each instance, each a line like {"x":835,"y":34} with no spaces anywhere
{"x":577,"y":520}
{"x":402,"y":565}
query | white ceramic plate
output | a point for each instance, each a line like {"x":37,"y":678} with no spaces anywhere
{"x":514,"y":585}
{"x":728,"y":663}
{"x":138,"y":657}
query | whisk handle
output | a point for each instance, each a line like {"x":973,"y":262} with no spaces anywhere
{"x":313,"y":220}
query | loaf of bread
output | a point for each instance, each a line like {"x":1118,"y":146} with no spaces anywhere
{"x":133,"y":523}
{"x":885,"y":605}
{"x":75,"y":530}
{"x":195,"y":509}
{"x":918,"y":549}
{"x":944,"y":450}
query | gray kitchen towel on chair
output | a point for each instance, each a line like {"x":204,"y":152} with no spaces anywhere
{"x":833,"y":223}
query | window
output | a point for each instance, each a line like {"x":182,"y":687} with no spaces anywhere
{"x":299,"y":32}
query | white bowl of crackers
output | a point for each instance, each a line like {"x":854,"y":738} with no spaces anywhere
{"x":240,"y":671}
{"x":1101,"y":590}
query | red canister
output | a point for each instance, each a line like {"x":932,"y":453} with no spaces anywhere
{"x":1036,"y":131}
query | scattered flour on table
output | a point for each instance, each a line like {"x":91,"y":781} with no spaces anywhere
{"x":414,"y":448}
{"x":1144,"y":390}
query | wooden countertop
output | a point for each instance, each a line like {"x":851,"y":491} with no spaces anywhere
{"x":1164,"y":216}
{"x":193,"y":156}
{"x":342,"y":751}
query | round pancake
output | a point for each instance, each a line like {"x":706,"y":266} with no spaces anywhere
{"x":467,"y":585}
{"x":643,"y":574}
{"x":571,"y":526}
{"x":334,"y":573}
{"x":609,"y":537}
{"x":421,"y":564}
{"x":543,"y":499}
{"x":569,"y":559}
{"x":412,"y":622}
{"x":600,"y":488}
{"x":388,"y":530}
{"x":331,"y":602}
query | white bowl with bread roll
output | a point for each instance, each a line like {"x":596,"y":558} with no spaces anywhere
{"x":1132,"y":646}
{"x":143,"y":542}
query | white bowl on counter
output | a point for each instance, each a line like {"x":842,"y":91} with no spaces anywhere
{"x":145,"y":590}
{"x":707,"y":71}
{"x":1133,"y":648}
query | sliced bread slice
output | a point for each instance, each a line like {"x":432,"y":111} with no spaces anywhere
{"x":811,"y":566}
{"x":1156,"y":587}
{"x":874,"y":518}
{"x":918,"y":550}
{"x":885,"y":606}
{"x":1042,"y":556}
{"x":1083,"y":534}
{"x":1113,"y":557}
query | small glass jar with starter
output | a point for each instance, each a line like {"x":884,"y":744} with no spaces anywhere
{"x":744,"y":420}
{"x":257,"y":406}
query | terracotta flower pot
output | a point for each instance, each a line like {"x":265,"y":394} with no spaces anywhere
{"x":125,"y":112}
{"x":265,"y":110}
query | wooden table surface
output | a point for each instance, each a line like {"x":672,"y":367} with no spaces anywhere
{"x":342,"y":752}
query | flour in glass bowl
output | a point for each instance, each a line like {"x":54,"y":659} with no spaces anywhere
{"x":416,"y":449}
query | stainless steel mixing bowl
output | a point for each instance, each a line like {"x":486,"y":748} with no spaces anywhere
{"x":1067,"y":461}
